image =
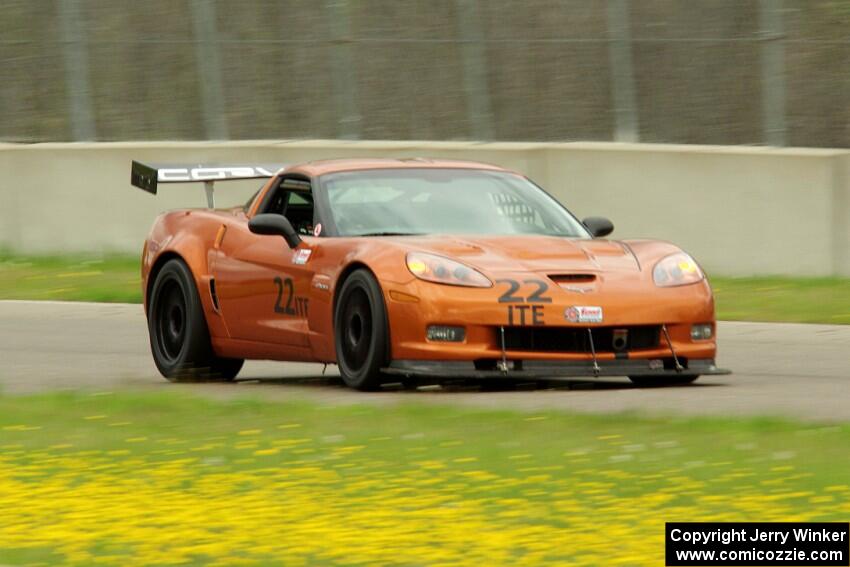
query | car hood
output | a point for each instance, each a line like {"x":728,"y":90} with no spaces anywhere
{"x":531,"y":253}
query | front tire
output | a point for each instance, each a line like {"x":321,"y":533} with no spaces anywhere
{"x":180,"y":340}
{"x":658,"y":381}
{"x":361,"y":331}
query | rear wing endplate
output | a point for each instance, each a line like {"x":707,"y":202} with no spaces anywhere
{"x":148,"y":176}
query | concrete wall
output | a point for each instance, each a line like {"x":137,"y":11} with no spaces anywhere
{"x":738,"y":210}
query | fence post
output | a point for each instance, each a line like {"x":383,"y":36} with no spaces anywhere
{"x":475,"y":82}
{"x":772,"y":72}
{"x":626,"y":125}
{"x":342,"y":70}
{"x":209,"y":70}
{"x":76,"y":61}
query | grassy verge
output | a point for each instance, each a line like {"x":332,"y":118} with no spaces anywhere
{"x":141,"y":479}
{"x":792,"y":300}
{"x":797,"y":300}
{"x":112,"y":278}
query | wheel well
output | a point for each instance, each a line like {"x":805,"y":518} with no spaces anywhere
{"x":347,"y":271}
{"x":163,"y":259}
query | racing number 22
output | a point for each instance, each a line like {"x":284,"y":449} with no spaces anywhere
{"x":285,"y":287}
{"x":536,"y":297}
{"x":517,"y":313}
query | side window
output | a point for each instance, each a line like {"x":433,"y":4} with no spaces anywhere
{"x":293,"y":199}
{"x":299,"y":211}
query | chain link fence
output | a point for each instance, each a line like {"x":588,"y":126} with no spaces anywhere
{"x":771,"y":72}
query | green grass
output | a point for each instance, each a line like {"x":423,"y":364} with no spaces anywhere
{"x":793,"y":300}
{"x":81,"y":278}
{"x":116,"y":278}
{"x":118,"y":478}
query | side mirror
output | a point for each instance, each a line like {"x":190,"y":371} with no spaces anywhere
{"x":598,"y":226}
{"x":277,"y":225}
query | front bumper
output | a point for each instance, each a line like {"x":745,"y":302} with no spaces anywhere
{"x":552,"y":370}
{"x":624,"y":303}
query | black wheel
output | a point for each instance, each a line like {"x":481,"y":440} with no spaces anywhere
{"x":360,"y":331}
{"x":657,"y":381}
{"x":180,"y":340}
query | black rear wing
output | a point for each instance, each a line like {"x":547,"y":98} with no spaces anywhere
{"x":148,"y":177}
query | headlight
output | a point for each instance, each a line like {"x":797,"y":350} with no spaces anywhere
{"x":438,"y":269}
{"x":676,"y":269}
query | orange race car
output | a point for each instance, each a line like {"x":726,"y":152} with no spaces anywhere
{"x":401,"y":269}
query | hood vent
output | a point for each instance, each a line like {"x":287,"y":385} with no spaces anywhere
{"x":562,"y":279}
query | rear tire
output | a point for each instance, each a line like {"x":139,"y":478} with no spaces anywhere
{"x":180,"y":339}
{"x":361,"y":331}
{"x":658,"y":381}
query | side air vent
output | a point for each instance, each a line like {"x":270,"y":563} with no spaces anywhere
{"x":213,"y":294}
{"x":572,"y":278}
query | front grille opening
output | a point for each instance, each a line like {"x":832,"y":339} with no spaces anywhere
{"x":572,"y":278}
{"x":670,"y":363}
{"x":575,"y":339}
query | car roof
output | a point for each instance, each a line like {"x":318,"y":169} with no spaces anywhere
{"x":322,"y":167}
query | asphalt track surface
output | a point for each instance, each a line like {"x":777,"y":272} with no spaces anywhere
{"x":783,"y":370}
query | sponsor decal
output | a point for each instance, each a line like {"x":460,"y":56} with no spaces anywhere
{"x":583,"y":314}
{"x":300,"y":257}
{"x":211,"y":173}
{"x":317,"y":230}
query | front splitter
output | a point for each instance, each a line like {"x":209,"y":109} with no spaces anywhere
{"x":551,"y":370}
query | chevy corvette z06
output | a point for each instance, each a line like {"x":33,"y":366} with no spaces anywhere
{"x":398,"y":269}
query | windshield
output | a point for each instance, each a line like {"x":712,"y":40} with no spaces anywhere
{"x":447,"y":201}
